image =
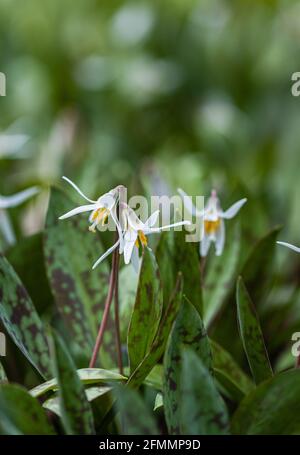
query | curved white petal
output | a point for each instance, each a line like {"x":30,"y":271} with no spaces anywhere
{"x":152,"y":219}
{"x":17,"y":199}
{"x":187,"y":201}
{"x":107,"y":253}
{"x":290,"y":246}
{"x":168,"y":226}
{"x":135,"y":260}
{"x":233,"y":210}
{"x":78,"y":190}
{"x":220,"y":239}
{"x":77,"y":210}
{"x":204,"y":245}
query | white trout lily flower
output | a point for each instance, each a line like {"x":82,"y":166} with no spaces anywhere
{"x":135,"y":234}
{"x":7,"y":202}
{"x":213,"y":218}
{"x":100,"y":209}
{"x":289,"y":245}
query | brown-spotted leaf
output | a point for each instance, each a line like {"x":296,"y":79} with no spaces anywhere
{"x":251,"y":335}
{"x":21,"y":320}
{"x":79,"y":292}
{"x":159,"y":344}
{"x":20,"y":413}
{"x":188,"y":331}
{"x":146,"y":312}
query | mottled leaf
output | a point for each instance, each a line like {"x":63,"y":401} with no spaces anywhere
{"x":229,"y":374}
{"x":20,"y":413}
{"x":86,"y":375}
{"x":27,"y":259}
{"x":21,"y":320}
{"x":76,"y":412}
{"x":136,"y":418}
{"x":251,"y":335}
{"x":202,"y":409}
{"x":188,"y":331}
{"x":273,"y":408}
{"x":80,"y":293}
{"x":175,"y":255}
{"x":161,"y":338}
{"x":147,"y":311}
{"x":220,"y":275}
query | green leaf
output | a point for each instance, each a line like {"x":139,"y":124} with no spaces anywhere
{"x":272,"y":408}
{"x":229,"y":374}
{"x":79,"y":292}
{"x":86,"y":375}
{"x":136,"y":418}
{"x":20,"y":413}
{"x":147,"y":311}
{"x":251,"y":335}
{"x":161,"y":338}
{"x":256,"y":271}
{"x":165,"y":258}
{"x":21,"y":320}
{"x":76,"y":412}
{"x":203,"y":411}
{"x":220,"y":276}
{"x":92,"y":393}
{"x":188,"y":331}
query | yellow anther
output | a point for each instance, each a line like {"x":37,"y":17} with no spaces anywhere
{"x":211,"y":227}
{"x":142,"y":238}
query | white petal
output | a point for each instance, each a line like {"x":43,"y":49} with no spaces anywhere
{"x":233,"y":210}
{"x":168,"y":226}
{"x":6,"y":228}
{"x":77,"y":210}
{"x":187,"y":201}
{"x":289,"y":245}
{"x":135,"y":260}
{"x":204,"y":245}
{"x":130,"y":239}
{"x":17,"y":199}
{"x":107,"y":253}
{"x":133,"y":220}
{"x":220,"y":239}
{"x":152,"y":219}
{"x":77,"y":189}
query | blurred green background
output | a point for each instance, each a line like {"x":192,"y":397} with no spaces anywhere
{"x":160,"y":94}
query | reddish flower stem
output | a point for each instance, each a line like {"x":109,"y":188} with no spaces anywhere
{"x":109,"y":298}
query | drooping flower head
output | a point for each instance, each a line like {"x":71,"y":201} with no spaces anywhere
{"x":213,"y":220}
{"x":290,"y":246}
{"x":101,"y":209}
{"x":134,"y":234}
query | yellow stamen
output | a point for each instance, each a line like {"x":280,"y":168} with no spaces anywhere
{"x":142,"y":238}
{"x":211,"y":227}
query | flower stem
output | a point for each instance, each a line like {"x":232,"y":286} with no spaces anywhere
{"x":117,"y":321}
{"x":111,"y":289}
